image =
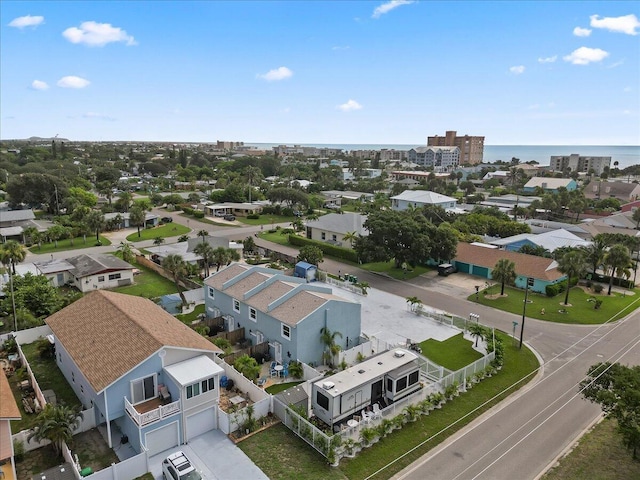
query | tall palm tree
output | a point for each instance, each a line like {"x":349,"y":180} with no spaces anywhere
{"x":252,"y":174}
{"x":595,"y":252}
{"x":203,"y":233}
{"x":504,"y":271}
{"x":617,"y":260}
{"x":174,"y":264}
{"x":206,"y":252}
{"x":328,"y":338}
{"x":12,"y":252}
{"x":350,"y":237}
{"x":476,"y":331}
{"x":56,"y":423}
{"x":137,"y":217}
{"x":95,"y":221}
{"x":220,"y":257}
{"x":573,"y":264}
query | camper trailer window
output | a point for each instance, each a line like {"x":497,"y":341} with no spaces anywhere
{"x":389,"y":385}
{"x":322,"y":400}
{"x":401,"y":384}
{"x":413,"y":378}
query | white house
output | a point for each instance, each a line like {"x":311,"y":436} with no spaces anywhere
{"x":333,"y":227}
{"x":419,"y":198}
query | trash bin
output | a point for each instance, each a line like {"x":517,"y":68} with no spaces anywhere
{"x":86,"y":471}
{"x":354,"y":279}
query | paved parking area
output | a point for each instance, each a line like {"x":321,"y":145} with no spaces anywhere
{"x":215,"y":456}
{"x":387,"y":317}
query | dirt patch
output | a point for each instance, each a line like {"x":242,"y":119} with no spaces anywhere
{"x":495,"y":296}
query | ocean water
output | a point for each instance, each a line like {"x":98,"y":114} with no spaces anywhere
{"x":624,"y":155}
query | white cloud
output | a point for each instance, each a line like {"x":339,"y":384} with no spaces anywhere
{"x":616,"y":64}
{"x":338,"y":47}
{"x":72,"y":81}
{"x":547,"y":59}
{"x":276,"y":74}
{"x":349,"y":106}
{"x":625,"y":24}
{"x":586,"y":55}
{"x":627,"y":89}
{"x":581,"y":32}
{"x":39,"y":85}
{"x":517,"y":70}
{"x":26,"y":21}
{"x":96,"y":34}
{"x":388,"y":6}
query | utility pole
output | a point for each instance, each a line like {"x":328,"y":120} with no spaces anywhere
{"x":13,"y":298}
{"x":530,"y":281}
{"x":55,"y":188}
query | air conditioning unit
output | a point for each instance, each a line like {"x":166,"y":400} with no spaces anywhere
{"x":398,"y":354}
{"x":328,"y":385}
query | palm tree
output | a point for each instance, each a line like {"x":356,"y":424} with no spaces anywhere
{"x":617,"y":260}
{"x":127,"y":253}
{"x":95,"y":221}
{"x":504,"y":271}
{"x":350,"y":237}
{"x":203,"y":233}
{"x":12,"y":252}
{"x":55,"y":233}
{"x":137,"y":217}
{"x":573,"y":264}
{"x":476,"y":331}
{"x":251,"y":174}
{"x":220,"y":257}
{"x":595,"y":252}
{"x":206,"y":252}
{"x":158,"y":241}
{"x":30,"y":233}
{"x":56,"y":423}
{"x":329,"y":339}
{"x":174,"y":264}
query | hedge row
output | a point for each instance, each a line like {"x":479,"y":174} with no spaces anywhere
{"x":556,"y":288}
{"x":326,"y":248}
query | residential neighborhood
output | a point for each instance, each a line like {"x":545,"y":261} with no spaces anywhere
{"x":329,"y":307}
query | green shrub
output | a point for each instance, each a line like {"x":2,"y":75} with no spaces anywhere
{"x":598,"y":288}
{"x":327,"y":249}
{"x":198,"y":214}
{"x":187,"y":210}
{"x":253,"y":216}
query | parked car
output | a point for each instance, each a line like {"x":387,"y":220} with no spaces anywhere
{"x":297,"y":213}
{"x":220,"y":213}
{"x":446,"y":269}
{"x":166,"y":219}
{"x":230,"y":218}
{"x":178,"y":467}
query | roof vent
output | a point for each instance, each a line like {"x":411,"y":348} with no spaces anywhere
{"x":328,"y":385}
{"x":361,"y":371}
{"x":398,"y":354}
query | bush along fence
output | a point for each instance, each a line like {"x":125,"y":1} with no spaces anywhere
{"x":439,"y":385}
{"x":358,"y":288}
{"x":327,"y":248}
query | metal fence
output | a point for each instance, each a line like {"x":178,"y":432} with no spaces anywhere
{"x":304,"y":429}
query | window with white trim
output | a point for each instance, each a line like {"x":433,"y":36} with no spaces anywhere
{"x":143,"y":389}
{"x":323,"y":236}
{"x":236,"y":305}
{"x":115,"y":276}
{"x":212,"y":293}
{"x":286,"y":331}
{"x":203,"y":386}
{"x":101,"y":278}
{"x":253,"y":315}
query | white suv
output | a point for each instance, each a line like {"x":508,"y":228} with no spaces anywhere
{"x":178,"y":467}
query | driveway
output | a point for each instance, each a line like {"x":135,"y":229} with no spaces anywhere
{"x":215,"y":456}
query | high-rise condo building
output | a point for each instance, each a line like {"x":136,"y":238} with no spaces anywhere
{"x":576,"y":163}
{"x":471,"y":148}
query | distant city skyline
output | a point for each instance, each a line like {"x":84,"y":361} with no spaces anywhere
{"x":359,"y":72}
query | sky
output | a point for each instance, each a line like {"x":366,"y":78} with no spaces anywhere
{"x":339,"y":72}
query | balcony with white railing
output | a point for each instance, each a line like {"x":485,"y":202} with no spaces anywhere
{"x":150,"y":411}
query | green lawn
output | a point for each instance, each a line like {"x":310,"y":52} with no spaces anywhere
{"x":266,"y":220}
{"x":454,"y":353}
{"x":398,"y":273}
{"x":187,"y":318}
{"x":280,"y":454}
{"x":600,"y":454}
{"x":78,"y":243}
{"x":276,"y":237}
{"x":614,"y":306}
{"x":148,"y":284}
{"x":279,"y":387}
{"x":49,"y":377}
{"x":164,"y":231}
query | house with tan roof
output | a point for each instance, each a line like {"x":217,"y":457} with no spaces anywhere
{"x":8,"y":411}
{"x":141,"y":369}
{"x":480,"y":259}
{"x":286,"y":312}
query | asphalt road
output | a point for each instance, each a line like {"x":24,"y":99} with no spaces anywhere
{"x":524,"y":434}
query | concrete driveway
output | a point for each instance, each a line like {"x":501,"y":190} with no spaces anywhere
{"x":215,"y":456}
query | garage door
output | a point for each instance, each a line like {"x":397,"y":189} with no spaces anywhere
{"x":162,"y":438}
{"x":200,"y":423}
{"x":462,"y":267}
{"x":480,"y":271}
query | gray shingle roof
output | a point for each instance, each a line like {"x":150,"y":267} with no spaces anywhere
{"x":341,"y":223}
{"x":85,"y":265}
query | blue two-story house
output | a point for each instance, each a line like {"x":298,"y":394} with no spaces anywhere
{"x":139,"y":368}
{"x":284,"y":311}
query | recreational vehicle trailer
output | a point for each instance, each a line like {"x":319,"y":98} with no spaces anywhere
{"x":386,"y":377}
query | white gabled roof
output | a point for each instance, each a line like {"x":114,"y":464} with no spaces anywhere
{"x":423,"y":196}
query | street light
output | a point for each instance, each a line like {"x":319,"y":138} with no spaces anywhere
{"x":530,"y":281}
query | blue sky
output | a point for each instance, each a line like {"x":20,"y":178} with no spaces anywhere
{"x":383,"y":72}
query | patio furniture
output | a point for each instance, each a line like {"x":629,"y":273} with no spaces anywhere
{"x":352,"y":423}
{"x":366,"y":417}
{"x":285,"y":370}
{"x":272,"y":370}
{"x":164,"y":394}
{"x":377,"y":413}
{"x":223,"y":381}
{"x":262,"y":381}
{"x":278,"y":369}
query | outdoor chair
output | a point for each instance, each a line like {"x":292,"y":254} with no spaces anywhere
{"x":223,"y":381}
{"x":164,"y":394}
{"x":366,"y":417}
{"x":272,"y":370}
{"x":377,"y":413}
{"x":285,"y":370}
{"x":262,"y":381}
